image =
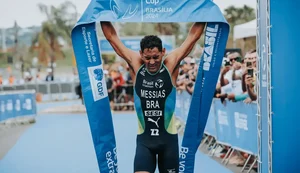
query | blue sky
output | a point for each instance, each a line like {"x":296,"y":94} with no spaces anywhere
{"x":27,"y":13}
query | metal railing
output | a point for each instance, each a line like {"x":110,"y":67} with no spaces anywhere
{"x":50,"y":90}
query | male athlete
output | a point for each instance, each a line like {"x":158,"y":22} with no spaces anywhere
{"x":154,"y":97}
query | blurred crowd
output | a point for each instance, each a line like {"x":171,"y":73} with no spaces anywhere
{"x":237,"y":78}
{"x":188,"y":69}
{"x":9,"y":77}
{"x":236,"y":82}
{"x":119,"y":86}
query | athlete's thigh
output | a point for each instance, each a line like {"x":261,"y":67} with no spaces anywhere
{"x":145,"y":160}
{"x":168,"y":159}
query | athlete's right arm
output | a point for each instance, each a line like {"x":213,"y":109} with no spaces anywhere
{"x":131,"y":57}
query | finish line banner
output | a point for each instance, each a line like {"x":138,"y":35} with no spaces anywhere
{"x":92,"y":79}
{"x":209,"y":68}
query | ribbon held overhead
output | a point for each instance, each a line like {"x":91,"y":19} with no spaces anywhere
{"x":90,"y":67}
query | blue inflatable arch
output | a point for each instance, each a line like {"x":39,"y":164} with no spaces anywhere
{"x":89,"y":64}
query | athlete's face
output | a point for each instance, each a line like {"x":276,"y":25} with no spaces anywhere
{"x":152,"y":58}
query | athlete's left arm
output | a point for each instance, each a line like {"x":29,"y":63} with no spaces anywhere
{"x":174,"y":58}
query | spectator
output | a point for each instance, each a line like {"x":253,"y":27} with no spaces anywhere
{"x":184,"y":76}
{"x":11,"y":79}
{"x":233,"y":77}
{"x":78,"y":91}
{"x":223,"y":88}
{"x":49,"y":76}
{"x":190,"y":88}
{"x":129,"y":87}
{"x":249,"y":70}
{"x":250,"y":78}
{"x":118,"y":78}
{"x":225,"y":80}
{"x":110,"y":84}
{"x":250,"y":89}
{"x":27,"y":76}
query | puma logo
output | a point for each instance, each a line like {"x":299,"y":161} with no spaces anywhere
{"x":155,"y":122}
{"x":171,"y":170}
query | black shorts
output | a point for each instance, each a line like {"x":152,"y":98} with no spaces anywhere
{"x":165,"y":153}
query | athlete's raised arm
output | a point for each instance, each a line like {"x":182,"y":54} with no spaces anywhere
{"x":174,"y":58}
{"x":131,"y":57}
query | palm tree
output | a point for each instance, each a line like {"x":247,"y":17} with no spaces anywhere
{"x":57,"y":27}
{"x":235,"y":15}
{"x":64,"y":17}
{"x":47,"y":45}
{"x":169,"y":29}
{"x":248,"y":14}
{"x":139,"y":29}
{"x":241,"y":15}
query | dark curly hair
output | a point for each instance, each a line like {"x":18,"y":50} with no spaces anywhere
{"x":150,"y":42}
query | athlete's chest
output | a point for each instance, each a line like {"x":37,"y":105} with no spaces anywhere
{"x":153,"y":86}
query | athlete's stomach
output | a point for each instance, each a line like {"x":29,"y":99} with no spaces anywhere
{"x":156,"y":116}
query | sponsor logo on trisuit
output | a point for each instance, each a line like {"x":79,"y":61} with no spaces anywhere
{"x":148,"y":84}
{"x":159,"y":83}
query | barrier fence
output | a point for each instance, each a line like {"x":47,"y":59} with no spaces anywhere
{"x":67,"y":91}
{"x":50,"y":90}
{"x":17,"y":104}
{"x":233,"y":124}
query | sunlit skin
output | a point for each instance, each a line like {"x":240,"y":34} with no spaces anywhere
{"x":152,"y":58}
